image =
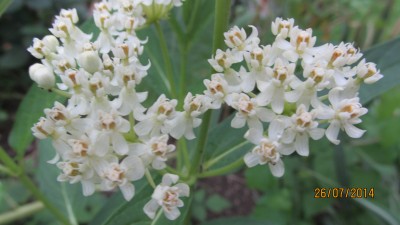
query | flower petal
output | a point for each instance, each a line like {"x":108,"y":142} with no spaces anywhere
{"x":277,"y":169}
{"x":301,"y":144}
{"x":150,"y":208}
{"x":333,"y":131}
{"x":251,"y":159}
{"x":128,"y":191}
{"x":353,"y":131}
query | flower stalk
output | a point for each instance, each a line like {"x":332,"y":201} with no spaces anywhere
{"x":220,"y":25}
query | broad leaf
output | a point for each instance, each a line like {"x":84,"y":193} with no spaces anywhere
{"x":386,"y":56}
{"x":29,"y":111}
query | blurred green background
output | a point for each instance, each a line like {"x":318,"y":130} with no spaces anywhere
{"x":372,"y":161}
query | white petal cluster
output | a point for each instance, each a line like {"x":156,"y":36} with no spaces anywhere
{"x":284,"y":85}
{"x":103,"y":136}
{"x":167,"y":197}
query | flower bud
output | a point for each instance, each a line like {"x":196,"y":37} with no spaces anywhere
{"x":90,"y":61}
{"x":42,"y":75}
{"x":51,"y":42}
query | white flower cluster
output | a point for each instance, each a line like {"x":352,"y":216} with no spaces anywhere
{"x":292,"y":85}
{"x":95,"y":137}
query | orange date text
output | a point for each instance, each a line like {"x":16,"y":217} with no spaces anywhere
{"x":339,"y":192}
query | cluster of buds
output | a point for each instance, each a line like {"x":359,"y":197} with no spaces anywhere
{"x":267,"y":89}
{"x":95,"y":137}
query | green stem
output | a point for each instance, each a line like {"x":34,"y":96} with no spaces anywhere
{"x":172,"y":170}
{"x":185,"y":153}
{"x":222,"y":8}
{"x":28,"y":183}
{"x":167,"y":59}
{"x":150,"y":178}
{"x":70,"y":211}
{"x":191,"y":24}
{"x":212,"y":173}
{"x":211,"y":162}
{"x":7,"y":171}
{"x":21,"y":212}
{"x":61,"y":93}
{"x":157,"y":217}
{"x":131,"y":135}
{"x":182,"y":79}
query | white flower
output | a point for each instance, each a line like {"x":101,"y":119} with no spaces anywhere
{"x":42,"y":75}
{"x":154,"y":152}
{"x":44,"y":128}
{"x":77,"y":172}
{"x":300,"y":45}
{"x":217,"y":90}
{"x":237,"y":39}
{"x":273,"y":91}
{"x":167,"y":197}
{"x":317,"y":79}
{"x":266,"y":152}
{"x":110,"y":127}
{"x":368,"y":72}
{"x":223,"y":60}
{"x":70,"y":14}
{"x":121,"y":174}
{"x":153,"y":122}
{"x":43,"y":48}
{"x":184,"y":122}
{"x":61,"y":116}
{"x":248,"y":111}
{"x":282,"y":28}
{"x":343,"y":114}
{"x":301,"y":127}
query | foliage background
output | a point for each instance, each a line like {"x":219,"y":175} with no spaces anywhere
{"x":370,"y":162}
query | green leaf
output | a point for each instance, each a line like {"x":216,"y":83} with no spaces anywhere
{"x":29,"y":111}
{"x":260,"y":178}
{"x":4,"y":5}
{"x":386,"y":57}
{"x":66,"y":197}
{"x":233,"y":146}
{"x":118,"y":211}
{"x":379,"y":211}
{"x":199,"y":212}
{"x":217,"y":203}
{"x":236,"y":221}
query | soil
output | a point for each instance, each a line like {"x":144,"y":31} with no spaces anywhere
{"x":233,"y":188}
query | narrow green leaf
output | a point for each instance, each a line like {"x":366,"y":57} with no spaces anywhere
{"x":29,"y":111}
{"x":4,"y":5}
{"x":386,"y":216}
{"x":233,"y":146}
{"x":386,"y":57}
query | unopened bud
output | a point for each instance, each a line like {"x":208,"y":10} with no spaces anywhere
{"x":90,"y":61}
{"x":42,"y":75}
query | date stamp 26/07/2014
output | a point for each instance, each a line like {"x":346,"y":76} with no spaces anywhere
{"x":344,"y":192}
